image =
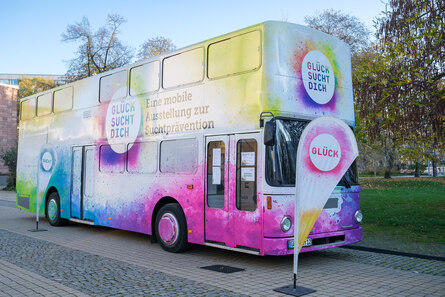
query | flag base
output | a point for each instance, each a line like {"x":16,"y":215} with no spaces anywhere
{"x":37,"y":228}
{"x":294,"y":291}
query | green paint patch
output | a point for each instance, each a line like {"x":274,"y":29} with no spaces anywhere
{"x":273,"y":104}
{"x":26,"y":188}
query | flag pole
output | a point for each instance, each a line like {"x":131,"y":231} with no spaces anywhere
{"x":37,"y":202}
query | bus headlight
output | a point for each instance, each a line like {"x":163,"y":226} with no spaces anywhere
{"x":286,"y":223}
{"x":358,"y":216}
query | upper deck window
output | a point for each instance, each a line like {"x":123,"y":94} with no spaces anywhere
{"x":183,"y":69}
{"x":44,"y":104}
{"x":144,"y":78}
{"x":28,"y":109}
{"x":63,"y":99}
{"x":113,"y":86}
{"x":235,"y":55}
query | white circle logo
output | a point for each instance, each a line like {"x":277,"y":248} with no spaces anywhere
{"x":325,"y":152}
{"x":47,"y":161}
{"x":122,"y":123}
{"x":318,"y":77}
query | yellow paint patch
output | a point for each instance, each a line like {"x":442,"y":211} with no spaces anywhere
{"x":190,"y":231}
{"x":307,"y":221}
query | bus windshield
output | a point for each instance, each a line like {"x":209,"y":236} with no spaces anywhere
{"x":281,"y":157}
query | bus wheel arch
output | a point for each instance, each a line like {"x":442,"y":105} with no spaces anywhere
{"x":52,"y":207}
{"x":48,"y":193}
{"x":169,"y":225}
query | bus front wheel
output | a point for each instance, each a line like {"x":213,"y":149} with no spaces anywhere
{"x":171,"y":228}
{"x":53,"y":210}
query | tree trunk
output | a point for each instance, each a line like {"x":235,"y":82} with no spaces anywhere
{"x":390,"y":163}
{"x":434,"y":169}
{"x":417,"y":171}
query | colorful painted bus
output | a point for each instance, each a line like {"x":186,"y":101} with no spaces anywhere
{"x":194,"y":146}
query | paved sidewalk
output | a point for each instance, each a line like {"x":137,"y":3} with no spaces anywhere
{"x":90,"y":274}
{"x":15,"y":281}
{"x":7,"y":196}
{"x":335,"y":272}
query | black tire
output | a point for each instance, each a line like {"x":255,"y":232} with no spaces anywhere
{"x":52,"y":210}
{"x":172,"y":219}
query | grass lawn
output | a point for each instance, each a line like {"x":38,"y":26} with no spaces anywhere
{"x":411,"y":210}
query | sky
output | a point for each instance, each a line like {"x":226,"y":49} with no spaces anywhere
{"x":31,"y":41}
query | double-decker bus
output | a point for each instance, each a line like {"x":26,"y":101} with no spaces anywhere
{"x":175,"y":146}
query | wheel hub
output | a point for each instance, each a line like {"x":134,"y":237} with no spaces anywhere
{"x":52,"y":209}
{"x":168,"y":228}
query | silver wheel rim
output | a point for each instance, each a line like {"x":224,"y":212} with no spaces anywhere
{"x":52,"y":209}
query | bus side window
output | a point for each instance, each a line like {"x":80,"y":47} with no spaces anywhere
{"x":110,"y":161}
{"x":44,"y":104}
{"x":215,"y":174}
{"x":142,"y":157}
{"x":246,"y":160}
{"x":113,"y":86}
{"x":144,"y":78}
{"x":179,"y":156}
{"x":63,"y":99}
{"x":28,"y":109}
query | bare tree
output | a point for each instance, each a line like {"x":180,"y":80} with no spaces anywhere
{"x":343,"y":26}
{"x":155,"y":46}
{"x":98,"y":51}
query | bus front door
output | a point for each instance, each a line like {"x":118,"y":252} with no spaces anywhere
{"x":233,"y":215}
{"x":82,"y":182}
{"x":217,"y":189}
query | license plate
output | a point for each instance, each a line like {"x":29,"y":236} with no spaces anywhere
{"x":307,"y":242}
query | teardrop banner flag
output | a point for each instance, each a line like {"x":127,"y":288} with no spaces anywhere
{"x":326,"y":150}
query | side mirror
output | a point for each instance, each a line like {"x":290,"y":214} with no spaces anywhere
{"x":269,"y":133}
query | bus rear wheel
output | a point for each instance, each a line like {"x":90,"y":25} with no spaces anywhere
{"x":171,"y":228}
{"x":53,"y":210}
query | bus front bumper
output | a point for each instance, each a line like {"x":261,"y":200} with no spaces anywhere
{"x":281,"y":246}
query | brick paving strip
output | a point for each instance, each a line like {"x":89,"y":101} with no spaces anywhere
{"x":87,"y":273}
{"x":415,"y":265}
{"x":391,"y":252}
{"x":12,"y":280}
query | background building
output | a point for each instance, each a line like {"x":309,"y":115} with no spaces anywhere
{"x":13,"y":79}
{"x":9,"y":85}
{"x":8,"y":124}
